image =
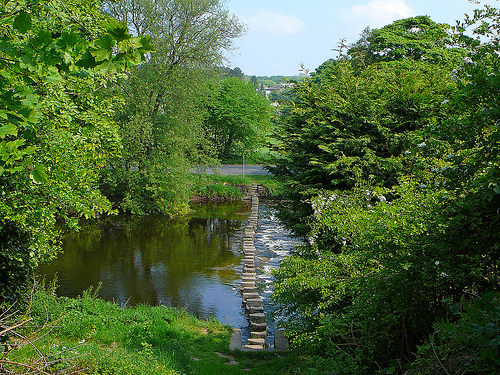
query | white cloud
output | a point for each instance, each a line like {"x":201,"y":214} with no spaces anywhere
{"x":275,"y":23}
{"x":378,"y":13}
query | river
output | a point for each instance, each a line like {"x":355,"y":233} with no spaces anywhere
{"x":193,"y":263}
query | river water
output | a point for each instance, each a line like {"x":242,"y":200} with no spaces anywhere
{"x":192,"y":263}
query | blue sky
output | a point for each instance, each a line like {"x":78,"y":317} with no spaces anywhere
{"x":282,"y":34}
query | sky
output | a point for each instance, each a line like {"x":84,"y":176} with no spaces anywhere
{"x":283,"y":34}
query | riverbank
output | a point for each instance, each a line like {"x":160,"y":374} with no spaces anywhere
{"x":216,"y":188}
{"x":89,"y":335}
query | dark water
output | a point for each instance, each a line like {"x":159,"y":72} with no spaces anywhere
{"x":192,"y":263}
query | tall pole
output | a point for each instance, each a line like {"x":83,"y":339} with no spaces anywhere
{"x":243,"y":164}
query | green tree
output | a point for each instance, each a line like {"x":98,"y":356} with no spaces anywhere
{"x":236,"y":72}
{"x":253,"y":79}
{"x":238,"y":118}
{"x":345,"y":127}
{"x":56,"y":127}
{"x":398,"y":160}
{"x":413,"y":38}
{"x":161,"y":123}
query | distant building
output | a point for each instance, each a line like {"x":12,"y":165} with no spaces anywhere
{"x":281,"y":86}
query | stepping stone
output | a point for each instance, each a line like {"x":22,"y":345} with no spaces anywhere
{"x":258,"y":335}
{"x":257,"y":318}
{"x":254,"y":347}
{"x":250,"y":296}
{"x":255,"y":309}
{"x":254,"y":302}
{"x":249,"y":274}
{"x":258,"y":327}
{"x":248,"y":290}
{"x":250,"y":284}
{"x":235,"y":342}
{"x":261,"y":342}
{"x":280,"y":340}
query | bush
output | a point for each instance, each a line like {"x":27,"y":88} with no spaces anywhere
{"x":472,"y":344}
{"x":219,"y":191}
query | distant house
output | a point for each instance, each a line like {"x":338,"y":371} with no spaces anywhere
{"x":281,"y":86}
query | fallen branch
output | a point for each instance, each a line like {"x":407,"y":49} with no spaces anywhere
{"x":14,"y":327}
{"x":24,"y":365}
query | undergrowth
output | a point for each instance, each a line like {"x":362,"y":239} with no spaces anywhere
{"x":87,"y":335}
{"x":217,"y":187}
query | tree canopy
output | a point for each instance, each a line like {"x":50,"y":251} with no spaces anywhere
{"x":238,"y":118}
{"x":391,"y":152}
{"x":56,"y":127}
{"x":162,"y":121}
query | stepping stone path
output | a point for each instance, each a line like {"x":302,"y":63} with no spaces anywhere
{"x":251,"y":299}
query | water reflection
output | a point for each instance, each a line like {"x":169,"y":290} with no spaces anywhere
{"x":192,"y":263}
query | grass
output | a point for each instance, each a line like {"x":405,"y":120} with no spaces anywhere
{"x":218,"y":187}
{"x":95,"y":337}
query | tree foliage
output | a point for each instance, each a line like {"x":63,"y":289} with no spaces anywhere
{"x":161,"y":122}
{"x":395,"y":159}
{"x":237,"y":118}
{"x":56,"y":129}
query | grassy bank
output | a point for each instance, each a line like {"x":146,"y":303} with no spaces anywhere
{"x":95,"y":337}
{"x":217,"y":187}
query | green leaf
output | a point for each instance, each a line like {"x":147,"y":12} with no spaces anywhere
{"x":103,"y":48}
{"x":31,"y":100}
{"x":22,"y":22}
{"x":67,"y":40}
{"x":136,"y":58}
{"x":119,"y":31}
{"x":53,"y":78}
{"x":39,"y":175}
{"x":104,"y":42}
{"x":131,"y":43}
{"x":8,"y":129}
{"x":101,"y":54}
{"x":146,"y":44}
{"x":87,"y":60}
{"x":105,"y":67}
